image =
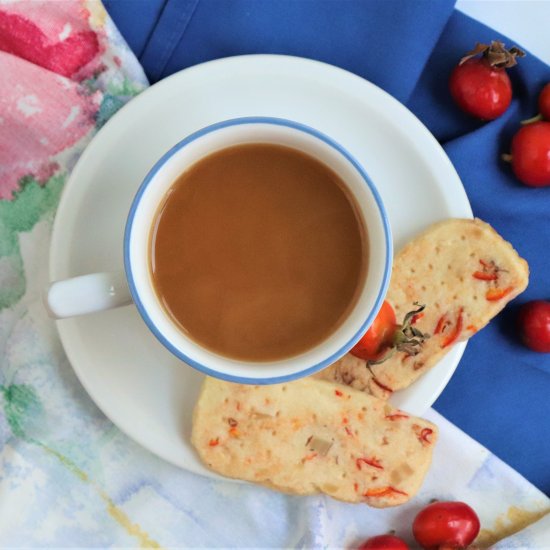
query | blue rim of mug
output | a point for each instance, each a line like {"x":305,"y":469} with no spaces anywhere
{"x":243,"y":379}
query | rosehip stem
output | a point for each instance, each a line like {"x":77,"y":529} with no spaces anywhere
{"x":532,"y":119}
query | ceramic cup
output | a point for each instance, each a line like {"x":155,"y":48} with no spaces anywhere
{"x":99,"y":291}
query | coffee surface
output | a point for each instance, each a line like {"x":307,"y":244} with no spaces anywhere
{"x":257,"y":252}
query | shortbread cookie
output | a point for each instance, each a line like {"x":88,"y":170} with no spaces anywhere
{"x":464,"y":273}
{"x":312,"y":436}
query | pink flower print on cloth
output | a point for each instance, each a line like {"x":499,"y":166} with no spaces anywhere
{"x":65,"y":70}
{"x":41,"y":115}
{"x":59,"y":40}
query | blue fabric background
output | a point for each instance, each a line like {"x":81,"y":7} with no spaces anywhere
{"x":500,"y":393}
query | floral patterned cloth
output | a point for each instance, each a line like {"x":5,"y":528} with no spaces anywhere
{"x":68,"y":477}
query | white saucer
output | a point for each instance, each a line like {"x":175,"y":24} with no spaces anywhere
{"x":139,"y":385}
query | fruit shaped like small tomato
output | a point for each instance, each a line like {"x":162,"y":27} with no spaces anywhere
{"x":448,"y":524}
{"x":379,"y":337}
{"x":544,"y":102}
{"x":534,"y":325}
{"x":385,"y":336}
{"x":481,"y":86}
{"x":384,"y":542}
{"x":530,"y":155}
{"x":544,"y":106}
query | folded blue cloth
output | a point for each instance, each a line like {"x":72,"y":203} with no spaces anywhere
{"x":500,"y":392}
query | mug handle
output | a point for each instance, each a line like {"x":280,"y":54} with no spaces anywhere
{"x":86,"y":294}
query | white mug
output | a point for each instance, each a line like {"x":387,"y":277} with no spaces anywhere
{"x":99,"y":291}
